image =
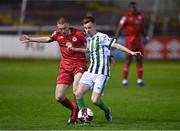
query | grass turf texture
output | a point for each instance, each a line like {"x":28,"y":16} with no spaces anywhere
{"x":27,"y":97}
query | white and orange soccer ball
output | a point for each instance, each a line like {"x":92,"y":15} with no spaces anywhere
{"x":85,"y":115}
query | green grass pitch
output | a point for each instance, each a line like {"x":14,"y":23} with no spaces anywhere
{"x":27,"y":97}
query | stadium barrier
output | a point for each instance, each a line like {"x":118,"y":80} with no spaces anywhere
{"x":157,"y":48}
{"x":11,"y":47}
{"x":163,"y":47}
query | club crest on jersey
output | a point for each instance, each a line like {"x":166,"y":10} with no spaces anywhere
{"x":74,"y":39}
{"x":139,"y":17}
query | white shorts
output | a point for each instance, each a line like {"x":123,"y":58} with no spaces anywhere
{"x":97,"y":82}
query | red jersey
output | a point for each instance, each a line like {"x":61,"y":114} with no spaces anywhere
{"x":78,"y":40}
{"x":133,"y":23}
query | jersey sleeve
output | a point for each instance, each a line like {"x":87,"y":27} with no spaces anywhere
{"x":107,"y":41}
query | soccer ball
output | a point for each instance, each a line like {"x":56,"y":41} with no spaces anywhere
{"x":85,"y":115}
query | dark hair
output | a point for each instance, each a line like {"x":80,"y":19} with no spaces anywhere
{"x":88,"y":19}
{"x":132,"y":3}
{"x":62,"y":20}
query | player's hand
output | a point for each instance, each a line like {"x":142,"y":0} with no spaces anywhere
{"x":135,"y":53}
{"x":69,"y":45}
{"x":24,"y":38}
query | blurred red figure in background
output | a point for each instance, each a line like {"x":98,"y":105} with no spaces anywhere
{"x":133,"y":23}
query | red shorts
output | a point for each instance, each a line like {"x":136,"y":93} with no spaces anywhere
{"x":67,"y":71}
{"x":134,"y":44}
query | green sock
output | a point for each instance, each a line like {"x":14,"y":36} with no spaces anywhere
{"x":80,"y":103}
{"x":103,"y":106}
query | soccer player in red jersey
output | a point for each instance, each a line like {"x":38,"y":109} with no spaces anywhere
{"x":133,"y":23}
{"x":72,"y":64}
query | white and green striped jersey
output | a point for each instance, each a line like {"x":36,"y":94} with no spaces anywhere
{"x":99,"y":51}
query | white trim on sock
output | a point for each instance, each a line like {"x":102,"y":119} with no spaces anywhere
{"x":139,"y":81}
{"x":124,"y":81}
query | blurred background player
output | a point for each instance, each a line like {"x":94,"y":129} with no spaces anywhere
{"x":133,"y":23}
{"x":97,"y":76}
{"x":72,"y":64}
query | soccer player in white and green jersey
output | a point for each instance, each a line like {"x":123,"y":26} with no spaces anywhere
{"x":99,"y":45}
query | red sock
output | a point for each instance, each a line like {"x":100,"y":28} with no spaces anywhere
{"x":75,"y":109}
{"x":139,"y":71}
{"x":67,"y":103}
{"x":74,"y":98}
{"x":125,"y":71}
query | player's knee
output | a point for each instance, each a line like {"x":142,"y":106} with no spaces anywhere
{"x":74,"y":91}
{"x":95,"y":101}
{"x":139,"y":61}
{"x":78,"y":94}
{"x":128,"y":62}
{"x":59,"y":98}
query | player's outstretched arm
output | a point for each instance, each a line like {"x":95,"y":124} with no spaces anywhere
{"x":84,"y":50}
{"x":69,"y":46}
{"x":120,"y":47}
{"x":27,"y":39}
